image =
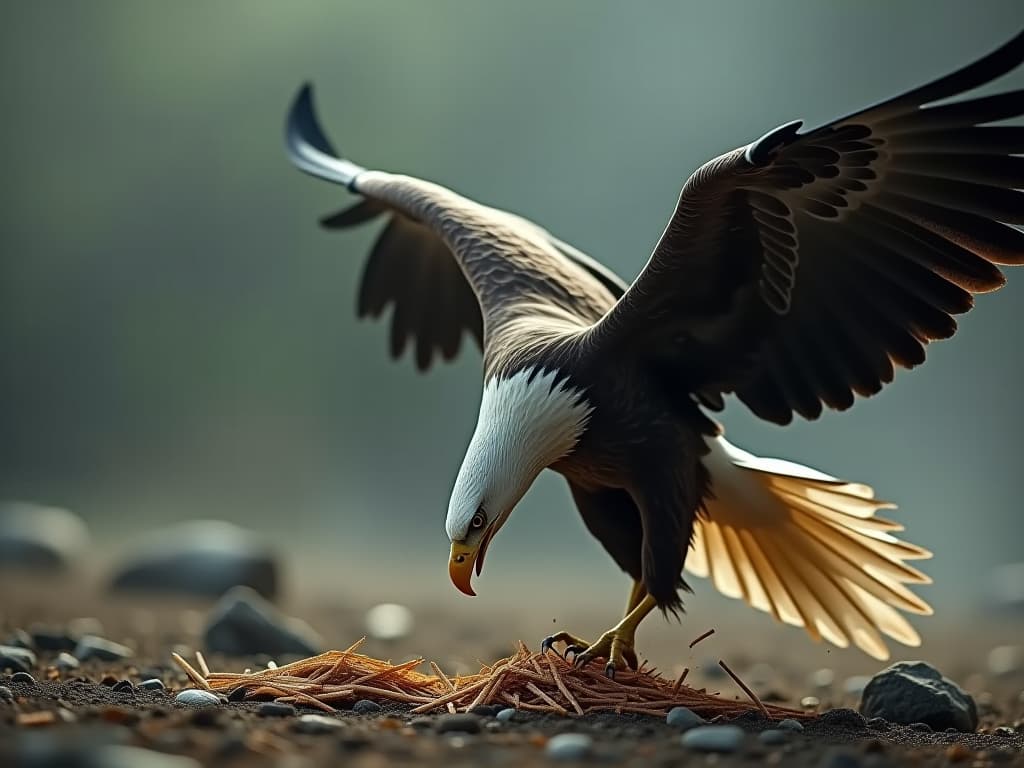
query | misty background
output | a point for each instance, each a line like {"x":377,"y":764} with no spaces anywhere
{"x":177,"y":335}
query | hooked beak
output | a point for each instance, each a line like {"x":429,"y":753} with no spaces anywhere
{"x":464,"y":558}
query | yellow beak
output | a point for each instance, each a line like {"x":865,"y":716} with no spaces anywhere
{"x":460,"y":567}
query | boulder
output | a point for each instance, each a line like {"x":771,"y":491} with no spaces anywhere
{"x":915,"y":692}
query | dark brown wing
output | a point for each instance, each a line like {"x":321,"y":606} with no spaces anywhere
{"x":446,"y":263}
{"x":798,"y":271}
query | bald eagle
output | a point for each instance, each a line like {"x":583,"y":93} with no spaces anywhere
{"x":796,"y":273}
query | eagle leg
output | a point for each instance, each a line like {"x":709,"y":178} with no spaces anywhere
{"x":574,"y":644}
{"x":617,"y":645}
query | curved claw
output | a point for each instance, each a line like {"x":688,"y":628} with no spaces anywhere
{"x":609,"y":670}
{"x":575,"y":650}
{"x":548,"y":644}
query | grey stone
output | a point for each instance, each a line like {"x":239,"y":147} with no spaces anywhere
{"x":773,"y":737}
{"x":193,"y":697}
{"x":19,"y":638}
{"x":275,"y":709}
{"x":45,"y":639}
{"x":506,"y":715}
{"x":388,"y":621}
{"x":66,"y":662}
{"x":915,"y":692}
{"x":714,"y":738}
{"x":23,"y":678}
{"x":93,"y":647}
{"x":37,"y":536}
{"x":16,"y":659}
{"x":243,"y":623}
{"x":569,"y":746}
{"x":317,"y":724}
{"x":153,"y":684}
{"x":205,"y":557}
{"x":789,"y":724}
{"x":365,"y":707}
{"x":683,"y":718}
{"x":461,"y":722}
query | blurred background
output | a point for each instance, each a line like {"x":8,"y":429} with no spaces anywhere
{"x":177,"y":336}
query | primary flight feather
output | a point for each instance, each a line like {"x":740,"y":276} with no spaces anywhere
{"x":797,"y":272}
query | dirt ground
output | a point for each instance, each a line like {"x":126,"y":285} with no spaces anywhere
{"x":62,"y":718}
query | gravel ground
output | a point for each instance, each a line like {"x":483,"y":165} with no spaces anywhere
{"x":90,"y":716}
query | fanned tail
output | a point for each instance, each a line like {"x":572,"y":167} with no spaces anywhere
{"x":807,"y":548}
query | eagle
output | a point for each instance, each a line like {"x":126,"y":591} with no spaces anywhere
{"x":796,"y":273}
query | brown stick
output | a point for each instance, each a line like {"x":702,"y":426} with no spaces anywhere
{"x":706,"y":635}
{"x":746,"y":690}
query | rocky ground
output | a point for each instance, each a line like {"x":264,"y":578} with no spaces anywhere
{"x":86,"y":679}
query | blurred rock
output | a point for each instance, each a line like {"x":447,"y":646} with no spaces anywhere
{"x":1006,"y":660}
{"x":855,"y":685}
{"x":65,"y":662}
{"x":460,"y":722}
{"x":16,"y":659}
{"x":915,"y":692}
{"x":243,"y":623}
{"x":568,"y":746}
{"x":35,"y":536}
{"x":317,"y":724}
{"x":790,"y":724}
{"x":714,"y":738}
{"x":683,"y":718}
{"x":93,"y":647}
{"x":774,"y":737}
{"x":822,"y":678}
{"x":1008,"y":585}
{"x":19,"y":638}
{"x":50,"y":639}
{"x":388,"y":621}
{"x":205,"y":557}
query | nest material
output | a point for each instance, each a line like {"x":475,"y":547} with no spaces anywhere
{"x":526,"y":680}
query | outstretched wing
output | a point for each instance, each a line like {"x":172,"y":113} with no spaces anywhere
{"x":440,"y":256}
{"x":799,"y":270}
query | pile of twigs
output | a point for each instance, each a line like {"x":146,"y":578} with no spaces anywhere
{"x":526,"y":680}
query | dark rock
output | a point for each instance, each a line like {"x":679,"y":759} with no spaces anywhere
{"x":153,"y":684}
{"x":200,"y":558}
{"x":921,"y":727}
{"x":124,"y":686}
{"x":683,"y":718}
{"x":23,"y":678}
{"x":243,"y":623}
{"x":232,"y":746}
{"x":421,"y":722}
{"x":35,"y":536}
{"x":109,"y":680}
{"x":774,"y":737}
{"x":65,"y":662}
{"x":915,"y":692}
{"x":93,"y":647}
{"x":317,"y":724}
{"x":365,"y":707}
{"x":789,"y":724}
{"x":842,"y":718}
{"x":193,"y":697}
{"x":238,"y":694}
{"x":16,"y":659}
{"x":276,"y":709}
{"x":569,"y":746}
{"x":881,"y":724}
{"x":19,"y":638}
{"x":485,"y":710}
{"x":462,"y":722}
{"x":52,"y":639}
{"x":714,"y":738}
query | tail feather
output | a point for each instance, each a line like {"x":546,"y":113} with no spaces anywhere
{"x":807,"y":548}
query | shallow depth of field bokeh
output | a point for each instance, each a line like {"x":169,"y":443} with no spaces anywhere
{"x":177,"y":336}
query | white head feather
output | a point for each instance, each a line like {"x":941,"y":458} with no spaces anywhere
{"x":527,"y":422}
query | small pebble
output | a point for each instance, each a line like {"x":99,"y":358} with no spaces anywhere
{"x":153,"y":684}
{"x":16,"y":659}
{"x":193,"y":697}
{"x":6,"y":694}
{"x":276,"y":709}
{"x":65,"y":661}
{"x":365,"y":707}
{"x":23,"y":677}
{"x":683,"y":718}
{"x":52,"y":639}
{"x":569,"y":746}
{"x":506,"y":715}
{"x":774,"y":737}
{"x":94,"y":647}
{"x":1003,"y":730}
{"x":714,"y":738}
{"x":920,"y":727}
{"x":124,"y":686}
{"x":19,"y":638}
{"x":317,"y":724}
{"x":388,"y":621}
{"x":459,"y":722}
{"x":789,"y":724}
{"x":810,"y":702}
{"x":878,"y":724}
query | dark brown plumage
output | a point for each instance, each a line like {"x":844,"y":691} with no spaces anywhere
{"x":797,"y":272}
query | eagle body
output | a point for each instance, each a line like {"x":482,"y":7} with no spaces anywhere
{"x":796,"y":273}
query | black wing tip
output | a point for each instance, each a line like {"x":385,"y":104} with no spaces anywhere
{"x":302,"y":124}
{"x":763,"y":150}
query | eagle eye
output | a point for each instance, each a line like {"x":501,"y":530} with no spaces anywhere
{"x":479,"y":519}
